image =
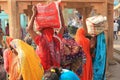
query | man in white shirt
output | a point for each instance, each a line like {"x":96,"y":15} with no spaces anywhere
{"x":115,"y":27}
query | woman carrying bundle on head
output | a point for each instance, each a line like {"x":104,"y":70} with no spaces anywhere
{"x":48,"y":46}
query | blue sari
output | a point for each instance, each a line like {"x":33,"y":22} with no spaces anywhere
{"x":99,"y":62}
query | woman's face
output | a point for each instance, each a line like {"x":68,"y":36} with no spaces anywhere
{"x":13,"y":50}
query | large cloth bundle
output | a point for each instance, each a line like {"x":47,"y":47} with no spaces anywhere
{"x":95,"y":24}
{"x":48,"y":16}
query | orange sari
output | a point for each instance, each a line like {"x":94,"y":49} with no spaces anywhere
{"x":7,"y":55}
{"x":11,"y":64}
{"x":85,"y":43}
{"x":11,"y":61}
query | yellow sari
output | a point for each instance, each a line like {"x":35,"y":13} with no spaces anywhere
{"x":30,"y":67}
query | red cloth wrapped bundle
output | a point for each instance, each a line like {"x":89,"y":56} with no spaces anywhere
{"x":48,"y":16}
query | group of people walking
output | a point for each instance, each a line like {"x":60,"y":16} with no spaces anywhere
{"x":56,"y":57}
{"x":21,"y":62}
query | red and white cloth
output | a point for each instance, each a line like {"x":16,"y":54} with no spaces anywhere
{"x":48,"y":15}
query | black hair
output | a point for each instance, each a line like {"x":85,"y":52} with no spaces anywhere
{"x":11,"y":48}
{"x":29,"y":41}
{"x":114,"y":21}
{"x":89,"y":37}
{"x":53,"y":74}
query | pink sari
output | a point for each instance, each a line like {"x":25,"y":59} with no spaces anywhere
{"x":11,"y":64}
{"x":7,"y":54}
{"x":11,"y":61}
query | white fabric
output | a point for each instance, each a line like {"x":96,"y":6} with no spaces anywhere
{"x":116,"y":25}
{"x":97,"y":19}
{"x":95,"y":24}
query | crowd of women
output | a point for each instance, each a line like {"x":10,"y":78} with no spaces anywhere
{"x":57,"y":56}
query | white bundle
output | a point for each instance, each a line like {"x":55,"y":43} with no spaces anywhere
{"x":97,"y":19}
{"x":94,"y":25}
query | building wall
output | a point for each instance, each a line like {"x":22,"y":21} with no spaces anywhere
{"x":4,"y":20}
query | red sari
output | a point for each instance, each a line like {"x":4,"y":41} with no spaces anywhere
{"x":48,"y":48}
{"x":85,"y":43}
